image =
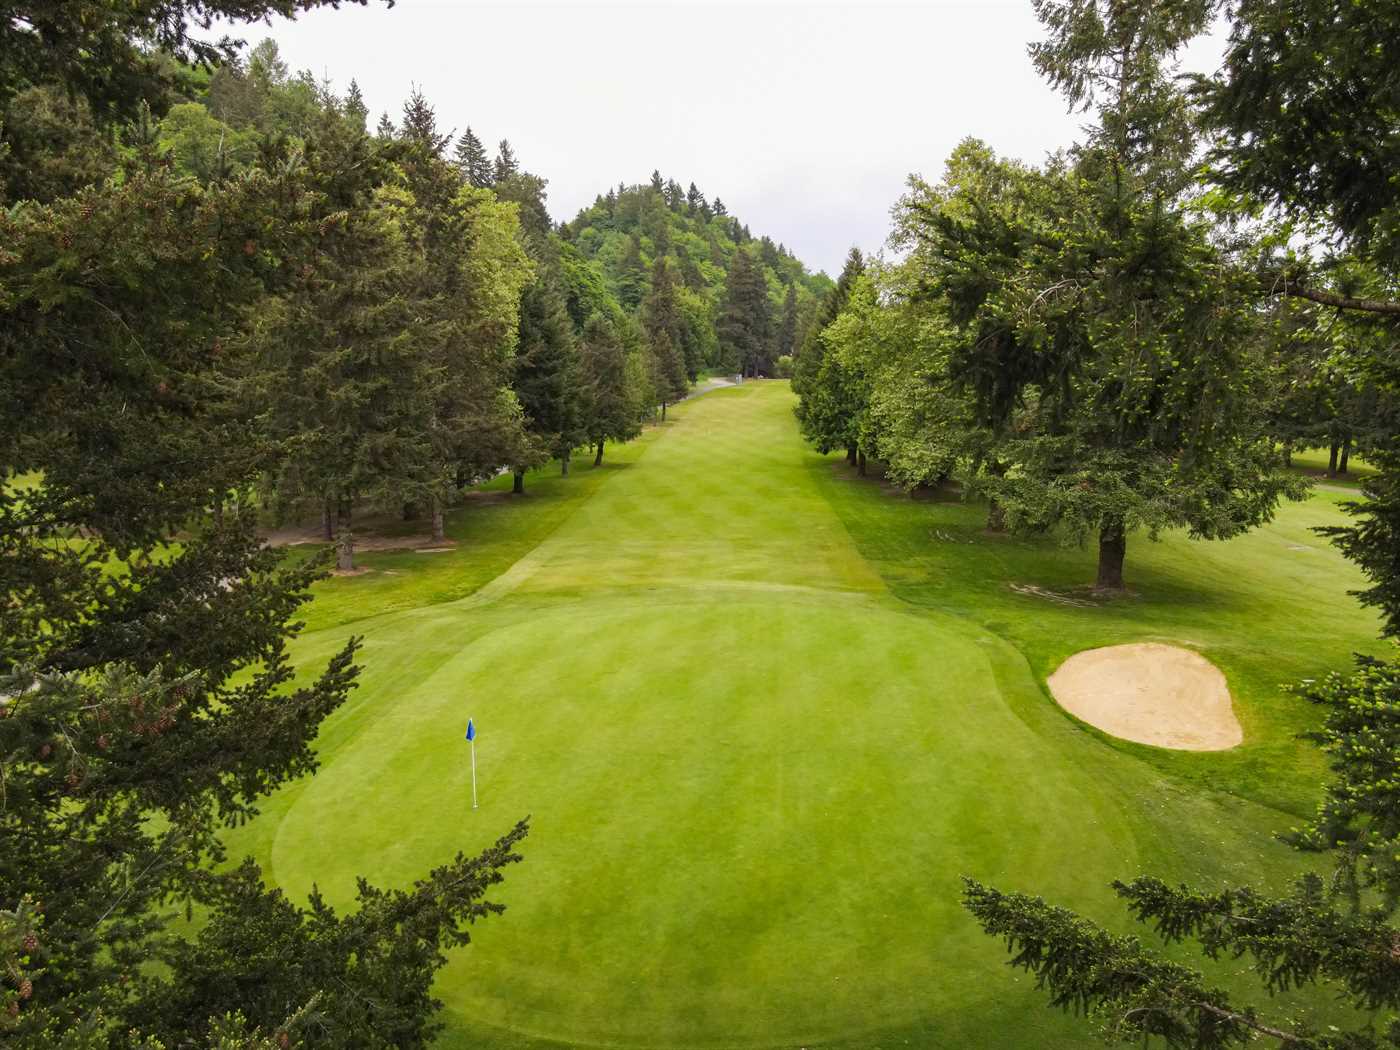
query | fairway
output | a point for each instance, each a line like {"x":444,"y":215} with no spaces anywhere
{"x":763,"y":715}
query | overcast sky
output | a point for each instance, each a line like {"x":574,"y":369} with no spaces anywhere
{"x":806,"y":119}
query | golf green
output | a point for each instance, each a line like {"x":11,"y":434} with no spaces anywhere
{"x":758,"y":748}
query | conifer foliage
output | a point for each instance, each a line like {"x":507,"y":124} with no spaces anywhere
{"x":327,"y":316}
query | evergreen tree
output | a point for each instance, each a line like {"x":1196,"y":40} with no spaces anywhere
{"x":745,"y":323}
{"x":385,"y":129}
{"x":420,"y":124}
{"x":51,"y":147}
{"x":609,"y":411}
{"x":768,"y":253}
{"x":693,"y":198}
{"x":349,"y":363}
{"x":667,"y":370}
{"x":661,"y":309}
{"x":1129,"y":425}
{"x":787,"y":328}
{"x":720,"y":210}
{"x":657,"y":183}
{"x":631,"y":275}
{"x":472,"y":161}
{"x":506,"y":165}
{"x":665,"y":332}
{"x":158,"y":702}
{"x":545,"y":375}
{"x":674,"y":195}
{"x":473,"y":271}
{"x":355,"y":109}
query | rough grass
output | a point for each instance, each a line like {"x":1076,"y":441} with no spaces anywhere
{"x":764,"y":714}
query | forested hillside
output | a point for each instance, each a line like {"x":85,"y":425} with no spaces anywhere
{"x":744,"y":303}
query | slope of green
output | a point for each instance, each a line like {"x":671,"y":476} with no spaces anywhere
{"x":763,"y":715}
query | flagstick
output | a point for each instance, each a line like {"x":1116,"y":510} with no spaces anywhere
{"x":473,"y":743}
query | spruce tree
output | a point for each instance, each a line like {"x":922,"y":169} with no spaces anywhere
{"x":609,"y":412}
{"x":420,"y":124}
{"x":631,"y":275}
{"x":674,"y":195}
{"x":474,"y":269}
{"x":667,"y":370}
{"x":472,"y":161}
{"x":660,"y":309}
{"x":664,"y":330}
{"x":355,"y":109}
{"x":506,"y":165}
{"x":745,"y":322}
{"x":787,"y":328}
{"x":348,"y":359}
{"x":546,"y":371}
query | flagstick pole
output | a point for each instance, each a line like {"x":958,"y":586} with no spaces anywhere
{"x":473,"y":774}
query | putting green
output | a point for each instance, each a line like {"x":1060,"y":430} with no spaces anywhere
{"x":754,"y":774}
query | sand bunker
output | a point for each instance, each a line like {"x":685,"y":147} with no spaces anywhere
{"x":1151,"y":694}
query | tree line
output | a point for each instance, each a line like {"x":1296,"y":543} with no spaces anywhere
{"x":1134,"y":336}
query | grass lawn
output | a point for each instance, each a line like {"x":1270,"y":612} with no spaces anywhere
{"x":763,"y":714}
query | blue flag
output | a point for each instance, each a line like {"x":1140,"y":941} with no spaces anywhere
{"x":471,"y":730}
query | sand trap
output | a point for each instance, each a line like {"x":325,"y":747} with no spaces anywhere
{"x":1152,"y":694}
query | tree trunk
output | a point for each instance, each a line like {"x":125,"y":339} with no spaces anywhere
{"x":518,"y":485}
{"x":564,"y":463}
{"x":1345,"y":457}
{"x":327,"y":522}
{"x":996,"y":513}
{"x":598,"y":459}
{"x":345,"y":549}
{"x":1113,"y":545}
{"x":1332,"y":460}
{"x":663,"y":411}
{"x":851,"y":455}
{"x":996,"y":516}
{"x":860,"y":463}
{"x":410,"y":512}
{"x":439,"y":529}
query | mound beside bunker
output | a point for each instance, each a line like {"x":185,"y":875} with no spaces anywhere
{"x":1151,"y":694}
